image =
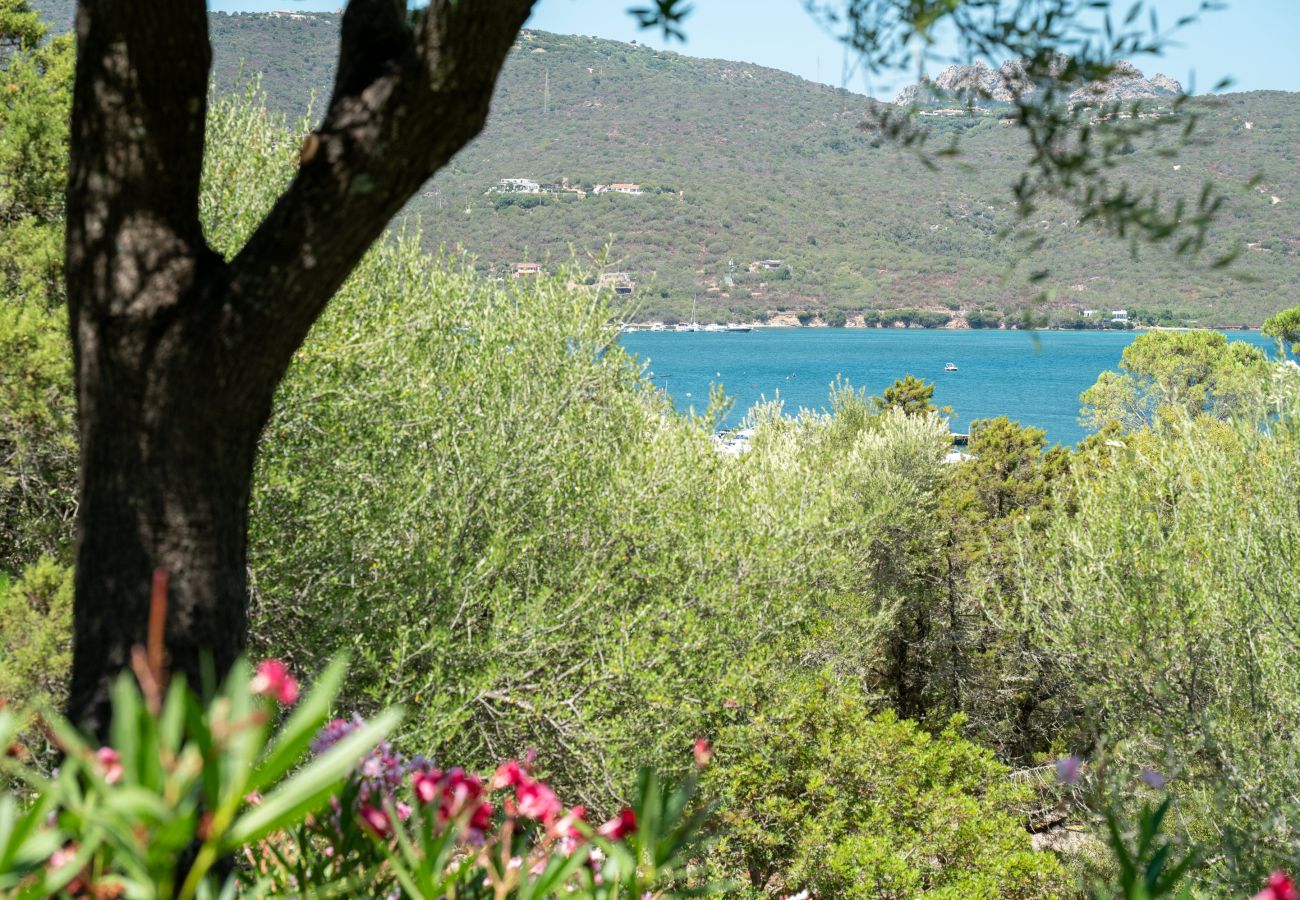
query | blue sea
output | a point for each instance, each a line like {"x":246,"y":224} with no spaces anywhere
{"x":1034,"y":377}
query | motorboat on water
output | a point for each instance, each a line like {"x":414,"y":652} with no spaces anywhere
{"x":951,"y":367}
{"x":733,"y":327}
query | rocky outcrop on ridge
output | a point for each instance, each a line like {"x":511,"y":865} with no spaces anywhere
{"x":981,"y":84}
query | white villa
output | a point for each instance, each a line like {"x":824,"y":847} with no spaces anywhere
{"x":516,"y":186}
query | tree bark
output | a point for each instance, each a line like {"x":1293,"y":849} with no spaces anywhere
{"x":177,"y":352}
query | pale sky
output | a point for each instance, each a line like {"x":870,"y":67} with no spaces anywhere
{"x":1255,"y":42}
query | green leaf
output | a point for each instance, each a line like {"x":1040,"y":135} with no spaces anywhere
{"x":297,"y":733}
{"x":312,"y":786}
{"x":124,"y":730}
{"x":171,"y":727}
{"x":557,"y":872}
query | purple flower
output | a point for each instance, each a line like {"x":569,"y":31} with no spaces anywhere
{"x":333,"y":732}
{"x":378,"y":775}
{"x":1067,"y":769}
{"x":1153,"y":779}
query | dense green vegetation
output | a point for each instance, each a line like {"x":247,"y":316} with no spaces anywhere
{"x":742,"y":163}
{"x":469,"y":486}
{"x":817,"y":793}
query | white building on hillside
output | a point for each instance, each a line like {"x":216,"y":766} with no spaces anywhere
{"x":517,"y":186}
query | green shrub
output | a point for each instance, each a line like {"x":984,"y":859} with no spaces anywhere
{"x":818,"y":793}
{"x":35,"y":635}
{"x":38,"y":448}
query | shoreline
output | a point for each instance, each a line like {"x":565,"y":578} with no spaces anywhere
{"x":649,"y":328}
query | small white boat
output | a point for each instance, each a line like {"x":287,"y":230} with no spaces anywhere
{"x":733,"y":327}
{"x":951,"y":367}
{"x":694,"y":326}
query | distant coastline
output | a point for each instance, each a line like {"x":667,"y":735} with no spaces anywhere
{"x":661,"y":327}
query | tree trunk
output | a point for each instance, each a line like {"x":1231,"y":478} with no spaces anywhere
{"x":166,"y":467}
{"x":178,"y":352}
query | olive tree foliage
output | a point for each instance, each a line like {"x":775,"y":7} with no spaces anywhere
{"x":528,"y":544}
{"x":1167,"y":599}
{"x":1165,"y":375}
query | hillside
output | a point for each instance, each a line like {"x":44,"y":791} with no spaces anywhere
{"x":737,"y":163}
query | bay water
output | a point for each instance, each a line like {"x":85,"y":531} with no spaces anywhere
{"x":1033,"y":377}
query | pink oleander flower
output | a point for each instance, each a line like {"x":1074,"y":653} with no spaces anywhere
{"x":537,"y":801}
{"x":460,"y":790}
{"x":566,"y":829}
{"x":425,"y":785}
{"x":454,"y":792}
{"x":568,"y":825}
{"x":1068,"y":768}
{"x":703,"y":752}
{"x":508,"y":774}
{"x":376,"y":820}
{"x":1279,"y":887}
{"x":61,"y":857}
{"x":110,"y":764}
{"x":619,"y":827}
{"x":482,"y":817}
{"x":273,"y":680}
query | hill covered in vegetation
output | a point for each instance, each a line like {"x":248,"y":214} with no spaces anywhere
{"x":730,"y":164}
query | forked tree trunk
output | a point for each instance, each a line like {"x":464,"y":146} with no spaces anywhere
{"x":178,"y":352}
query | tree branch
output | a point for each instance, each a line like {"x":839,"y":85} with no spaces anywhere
{"x":406,"y":99}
